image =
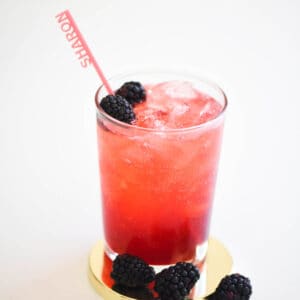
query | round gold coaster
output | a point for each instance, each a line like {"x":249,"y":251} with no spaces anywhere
{"x":218,"y":264}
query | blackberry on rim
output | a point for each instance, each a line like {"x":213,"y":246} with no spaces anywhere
{"x":118,"y":107}
{"x":132,"y":91}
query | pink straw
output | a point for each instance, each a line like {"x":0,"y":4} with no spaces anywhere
{"x":88,"y":51}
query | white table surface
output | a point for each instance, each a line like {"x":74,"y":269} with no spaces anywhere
{"x":49,"y":194}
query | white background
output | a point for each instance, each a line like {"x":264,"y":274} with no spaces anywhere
{"x":49,"y":188}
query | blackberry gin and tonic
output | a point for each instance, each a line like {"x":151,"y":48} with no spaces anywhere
{"x":158,"y":171}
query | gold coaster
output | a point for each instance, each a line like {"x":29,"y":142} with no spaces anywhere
{"x":218,"y":264}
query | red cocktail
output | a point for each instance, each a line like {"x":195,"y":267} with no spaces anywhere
{"x":158,"y":175}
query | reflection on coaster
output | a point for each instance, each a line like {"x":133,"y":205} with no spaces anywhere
{"x":218,"y":264}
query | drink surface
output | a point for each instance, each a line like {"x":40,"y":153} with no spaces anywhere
{"x":157,"y":186}
{"x":175,"y":104}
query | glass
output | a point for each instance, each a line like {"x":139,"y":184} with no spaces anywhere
{"x":158,"y":185}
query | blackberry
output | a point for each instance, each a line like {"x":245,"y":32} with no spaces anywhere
{"x":131,"y":271}
{"x":118,"y":107}
{"x":233,"y":287}
{"x":174,"y":283}
{"x":142,"y":293}
{"x":132,"y":91}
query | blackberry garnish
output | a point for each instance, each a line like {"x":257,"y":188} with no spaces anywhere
{"x":118,"y":107}
{"x":176,"y":282}
{"x":233,"y":287}
{"x":131,"y":271}
{"x":132,"y":91}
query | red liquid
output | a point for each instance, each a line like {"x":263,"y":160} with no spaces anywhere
{"x":157,"y":188}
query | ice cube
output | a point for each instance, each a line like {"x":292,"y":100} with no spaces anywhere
{"x":180,"y":109}
{"x":180,"y":89}
{"x":205,"y":109}
{"x":152,"y":117}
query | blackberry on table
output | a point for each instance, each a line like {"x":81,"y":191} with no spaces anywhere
{"x":118,"y":107}
{"x":131,"y":271}
{"x":233,"y":287}
{"x":176,"y":282}
{"x":132,"y":91}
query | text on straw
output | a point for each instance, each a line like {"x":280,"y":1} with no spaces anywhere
{"x":73,"y":38}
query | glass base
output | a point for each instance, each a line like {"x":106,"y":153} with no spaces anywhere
{"x":199,"y":260}
{"x":217,"y":264}
{"x":201,"y":251}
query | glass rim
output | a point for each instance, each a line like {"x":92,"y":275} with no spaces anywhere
{"x":124,"y":125}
